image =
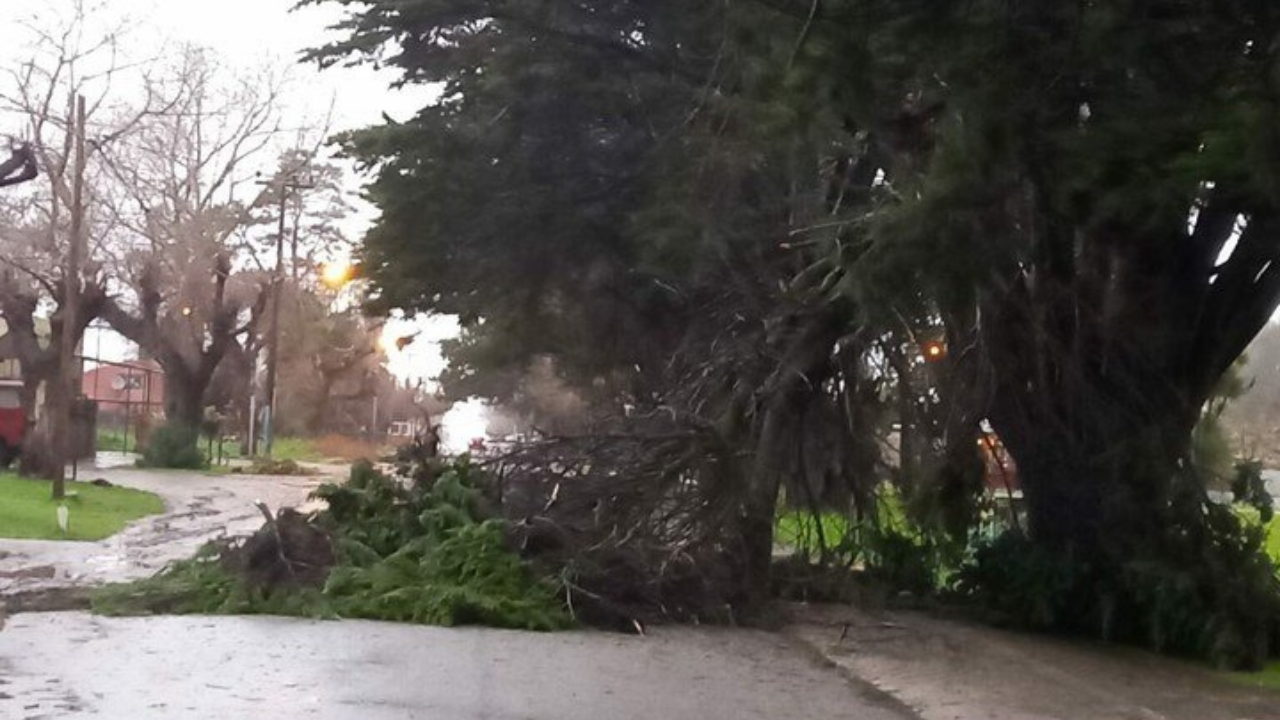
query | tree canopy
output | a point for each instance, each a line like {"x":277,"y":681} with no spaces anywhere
{"x":752,"y":216}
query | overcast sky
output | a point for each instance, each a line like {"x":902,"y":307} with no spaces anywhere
{"x":247,"y":33}
{"x":250,"y":35}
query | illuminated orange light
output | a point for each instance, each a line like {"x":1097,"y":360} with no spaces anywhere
{"x":337,"y":274}
{"x":934,"y":350}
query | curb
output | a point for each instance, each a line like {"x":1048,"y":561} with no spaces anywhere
{"x":868,"y":690}
{"x":58,"y":599}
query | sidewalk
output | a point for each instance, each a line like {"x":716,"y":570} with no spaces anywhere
{"x":948,"y":670}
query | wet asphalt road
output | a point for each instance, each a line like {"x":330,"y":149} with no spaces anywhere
{"x":73,"y":665}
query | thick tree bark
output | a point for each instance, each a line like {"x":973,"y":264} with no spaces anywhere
{"x":320,"y":413}
{"x":1092,"y":398}
{"x":184,"y":397}
{"x":42,"y":365}
{"x":1092,"y":483}
{"x":41,"y":452}
{"x":188,"y":374}
{"x":806,"y":361}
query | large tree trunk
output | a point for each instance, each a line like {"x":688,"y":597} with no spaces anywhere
{"x":778,"y":441}
{"x":1096,"y":482}
{"x":43,"y":449}
{"x":184,"y":397}
{"x":320,"y":413}
{"x":1093,"y":397}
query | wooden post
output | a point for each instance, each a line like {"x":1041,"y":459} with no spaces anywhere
{"x":63,"y":446}
{"x":289,"y":184}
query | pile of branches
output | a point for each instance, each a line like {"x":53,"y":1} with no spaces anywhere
{"x":281,"y":568}
{"x":640,"y":524}
{"x":420,"y":547}
{"x":288,"y":551}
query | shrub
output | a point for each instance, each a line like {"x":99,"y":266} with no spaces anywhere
{"x":173,"y":446}
{"x":1248,"y":488}
{"x":1208,"y":592}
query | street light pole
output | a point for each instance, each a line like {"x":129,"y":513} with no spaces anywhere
{"x":289,"y":183}
{"x":63,"y":422}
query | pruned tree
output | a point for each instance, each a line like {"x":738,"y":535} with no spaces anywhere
{"x":66,"y":94}
{"x":177,"y":180}
{"x":188,"y":331}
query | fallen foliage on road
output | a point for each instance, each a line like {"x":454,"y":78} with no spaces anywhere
{"x":416,"y":549}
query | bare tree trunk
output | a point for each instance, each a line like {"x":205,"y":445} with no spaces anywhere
{"x":62,"y":390}
{"x":184,"y":399}
{"x":315,"y":424}
{"x":43,"y":451}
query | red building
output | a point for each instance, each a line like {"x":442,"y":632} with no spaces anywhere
{"x":125,"y":388}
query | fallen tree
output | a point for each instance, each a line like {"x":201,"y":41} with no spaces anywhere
{"x":415,"y":549}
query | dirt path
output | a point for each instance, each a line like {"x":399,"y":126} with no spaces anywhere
{"x":198,"y":507}
{"x":947,"y":670}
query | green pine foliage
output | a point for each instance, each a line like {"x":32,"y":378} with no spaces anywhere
{"x":694,"y":203}
{"x":421,"y":553}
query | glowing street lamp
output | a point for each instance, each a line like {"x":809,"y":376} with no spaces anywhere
{"x":933,"y":350}
{"x":335,"y":275}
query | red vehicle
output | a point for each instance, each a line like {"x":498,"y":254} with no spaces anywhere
{"x":13,"y":421}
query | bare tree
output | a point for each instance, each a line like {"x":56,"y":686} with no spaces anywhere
{"x":65,"y":97}
{"x":177,"y":181}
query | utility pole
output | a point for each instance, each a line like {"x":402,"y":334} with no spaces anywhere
{"x":63,"y":445}
{"x":288,"y":183}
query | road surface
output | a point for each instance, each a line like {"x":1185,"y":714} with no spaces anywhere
{"x":74,"y":665}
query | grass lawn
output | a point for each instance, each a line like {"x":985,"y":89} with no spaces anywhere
{"x":1269,"y":676}
{"x":1273,"y":540}
{"x":296,"y":449}
{"x":799,"y":529}
{"x":26,"y":510}
{"x":114,"y":440}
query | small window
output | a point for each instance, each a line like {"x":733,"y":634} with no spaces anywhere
{"x":9,"y":399}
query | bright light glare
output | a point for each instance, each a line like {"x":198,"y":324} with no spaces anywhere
{"x":335,"y":274}
{"x":463,"y":423}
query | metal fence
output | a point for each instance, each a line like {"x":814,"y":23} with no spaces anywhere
{"x":129,"y":400}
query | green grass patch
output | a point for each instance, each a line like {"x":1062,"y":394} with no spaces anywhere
{"x":115,"y":440}
{"x":1268,"y":678}
{"x":295,"y":449}
{"x":28,"y":512}
{"x":803,"y":530}
{"x":1273,"y":540}
{"x":806,"y":531}
{"x":1272,"y":546}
